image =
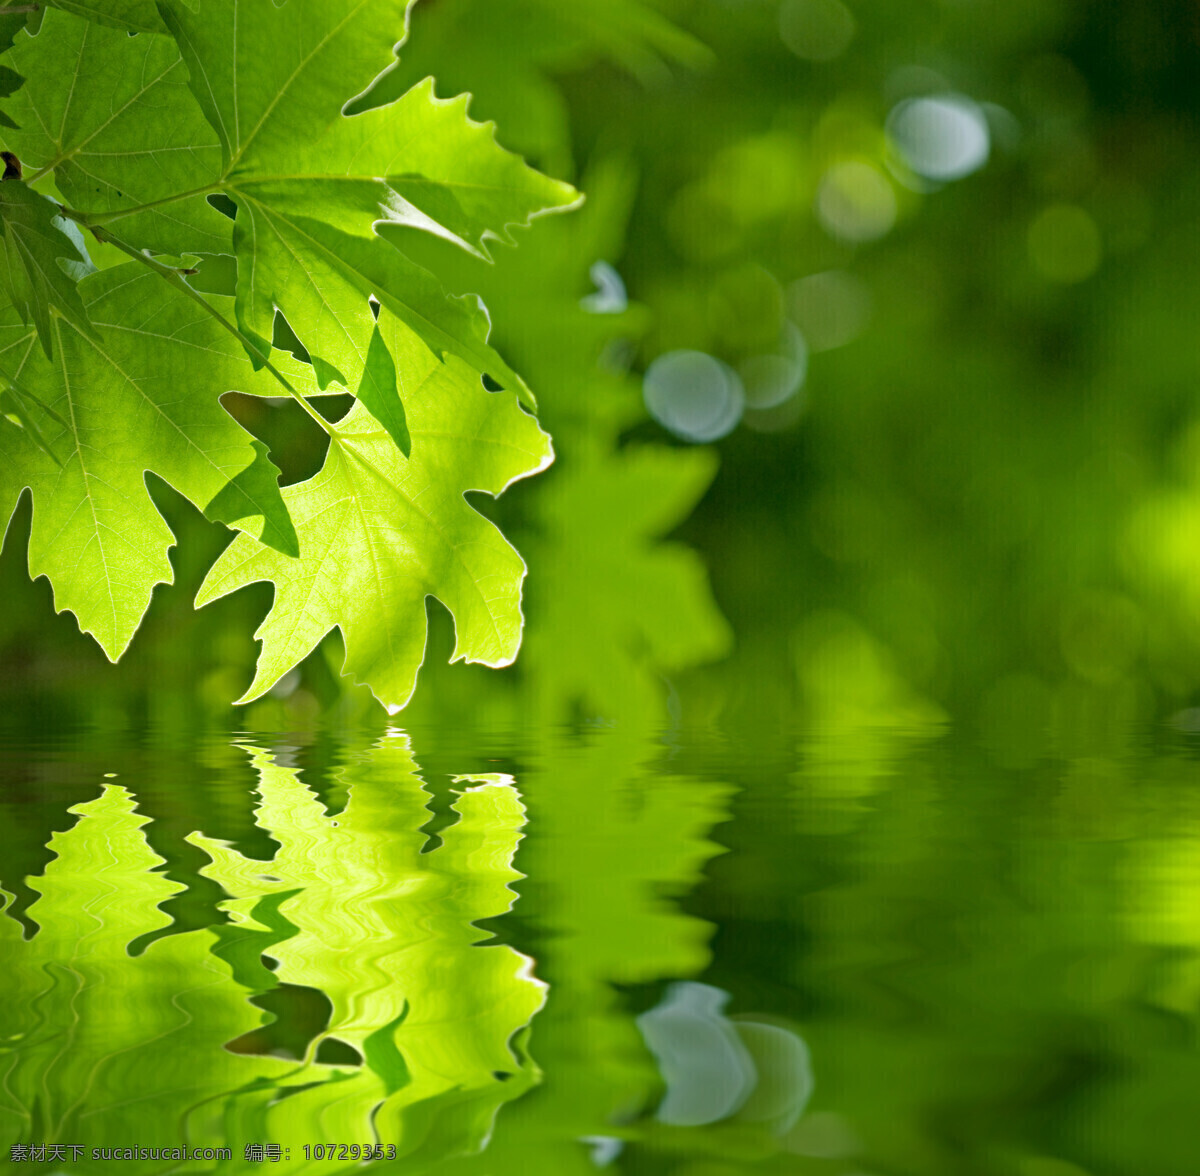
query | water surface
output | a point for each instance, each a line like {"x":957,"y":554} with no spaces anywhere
{"x":554,"y":951}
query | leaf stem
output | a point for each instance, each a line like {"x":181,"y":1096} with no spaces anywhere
{"x":177,"y":281}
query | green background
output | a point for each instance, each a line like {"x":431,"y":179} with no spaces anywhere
{"x":878,"y":713}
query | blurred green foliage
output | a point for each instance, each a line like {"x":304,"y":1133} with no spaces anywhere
{"x":967,"y":229}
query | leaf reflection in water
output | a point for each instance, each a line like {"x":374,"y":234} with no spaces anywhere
{"x":107,"y":1049}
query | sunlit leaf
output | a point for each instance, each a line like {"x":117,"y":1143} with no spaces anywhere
{"x":157,"y":365}
{"x":125,"y":135}
{"x":378,"y":533}
{"x":272,"y":81}
{"x":217,"y":139}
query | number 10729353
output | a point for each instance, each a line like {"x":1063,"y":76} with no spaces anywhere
{"x":349,"y":1151}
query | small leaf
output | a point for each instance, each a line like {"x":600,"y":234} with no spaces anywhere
{"x":241,"y":496}
{"x":33,"y":245}
{"x":323,"y":280}
{"x":379,"y":393}
{"x":142,"y":395}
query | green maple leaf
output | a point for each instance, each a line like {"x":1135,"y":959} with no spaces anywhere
{"x":126,"y":134}
{"x":30,"y":273}
{"x":340,"y":273}
{"x":139,"y":136}
{"x":141,"y":394}
{"x":378,"y":534}
{"x":461,"y":39}
{"x":597,"y":525}
{"x":307,"y":179}
{"x":132,"y":149}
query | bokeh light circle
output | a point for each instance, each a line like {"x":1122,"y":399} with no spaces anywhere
{"x":941,"y":138}
{"x":694,"y":395}
{"x":771,"y":378}
{"x":856,"y":202}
